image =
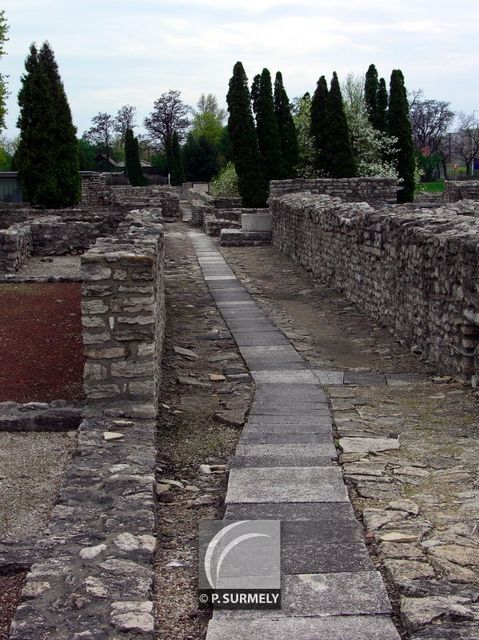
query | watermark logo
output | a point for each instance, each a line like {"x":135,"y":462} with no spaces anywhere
{"x":239,"y":564}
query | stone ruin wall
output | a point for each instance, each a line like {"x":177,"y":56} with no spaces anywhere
{"x":415,"y":271}
{"x":97,"y":193}
{"x":123,"y":315}
{"x":375,"y":191}
{"x":54,"y":233}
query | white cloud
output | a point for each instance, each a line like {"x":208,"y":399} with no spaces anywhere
{"x":115,"y":52}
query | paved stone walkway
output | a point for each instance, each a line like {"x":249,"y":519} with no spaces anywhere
{"x":285,"y":469}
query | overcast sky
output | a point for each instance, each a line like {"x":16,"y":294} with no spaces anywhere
{"x":119,"y":52}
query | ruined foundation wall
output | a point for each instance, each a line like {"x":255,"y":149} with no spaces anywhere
{"x":123,"y":317}
{"x":414,"y":271}
{"x":375,"y":191}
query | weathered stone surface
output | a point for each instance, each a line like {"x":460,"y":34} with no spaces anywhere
{"x":366,"y":445}
{"x":418,"y":612}
{"x":408,"y":570}
{"x":335,"y":594}
{"x":279,"y":627}
{"x":301,"y":484}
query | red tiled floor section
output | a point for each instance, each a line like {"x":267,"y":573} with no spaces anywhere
{"x":41,"y":350}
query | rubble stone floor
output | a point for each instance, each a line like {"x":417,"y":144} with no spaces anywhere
{"x":367,"y":458}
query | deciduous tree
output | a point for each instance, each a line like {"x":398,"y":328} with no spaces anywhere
{"x":169,"y":116}
{"x":465,"y":141}
{"x":101,"y":133}
{"x":3,"y":82}
{"x":124,"y":120}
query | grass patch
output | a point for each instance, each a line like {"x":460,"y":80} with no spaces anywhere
{"x":437,"y":186}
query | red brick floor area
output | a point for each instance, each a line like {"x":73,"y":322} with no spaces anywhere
{"x":41,"y":350}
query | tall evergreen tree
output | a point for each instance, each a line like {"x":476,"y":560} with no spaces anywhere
{"x":399,"y":126}
{"x":177,"y":171}
{"x":244,"y":144}
{"x":133,"y":168}
{"x":381,"y":118}
{"x":337,"y":150}
{"x":371,"y":86}
{"x":47,"y":156}
{"x":287,"y":130}
{"x":318,"y":123}
{"x":255,"y":88}
{"x":268,"y":131}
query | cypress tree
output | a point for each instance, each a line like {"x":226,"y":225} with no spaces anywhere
{"x":337,"y":150}
{"x":381,"y":117}
{"x":268,"y":132}
{"x":399,"y":125}
{"x":255,"y":87}
{"x":47,"y":157}
{"x":318,"y":123}
{"x":177,"y":171}
{"x":133,"y":168}
{"x":371,"y":86}
{"x":244,"y":144}
{"x":34,"y":101}
{"x":287,"y":130}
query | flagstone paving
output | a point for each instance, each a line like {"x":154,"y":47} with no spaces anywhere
{"x":285,"y":469}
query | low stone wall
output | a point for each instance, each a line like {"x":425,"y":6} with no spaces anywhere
{"x":123,"y":317}
{"x":199,"y":209}
{"x":66,"y":232}
{"x":375,"y":191}
{"x":227,"y":203}
{"x":15,"y":247}
{"x":415,"y":271}
{"x":96,"y":192}
{"x":165,"y":198}
{"x":212,"y":225}
{"x":461,"y":190}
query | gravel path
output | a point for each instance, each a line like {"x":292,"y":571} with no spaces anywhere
{"x":31,"y":470}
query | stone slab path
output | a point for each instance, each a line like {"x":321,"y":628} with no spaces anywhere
{"x":285,"y":469}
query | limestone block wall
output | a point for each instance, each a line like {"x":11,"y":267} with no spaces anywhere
{"x":415,"y":271}
{"x":94,"y":190}
{"x":200,"y":208}
{"x":123,"y":317}
{"x":375,"y":191}
{"x":461,"y":190}
{"x":227,"y":203}
{"x":15,"y":247}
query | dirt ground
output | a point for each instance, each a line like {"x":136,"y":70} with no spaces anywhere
{"x":326,"y":328}
{"x":11,"y":586}
{"x":190,"y":435}
{"x":41,"y":348}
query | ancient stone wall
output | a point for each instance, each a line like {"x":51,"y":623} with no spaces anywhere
{"x":200,"y":208}
{"x":461,"y":190}
{"x":96,"y":192}
{"x":67,"y":232}
{"x":415,"y":271}
{"x":15,"y":247}
{"x":227,"y":203}
{"x":123,"y":317}
{"x":375,"y":191}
